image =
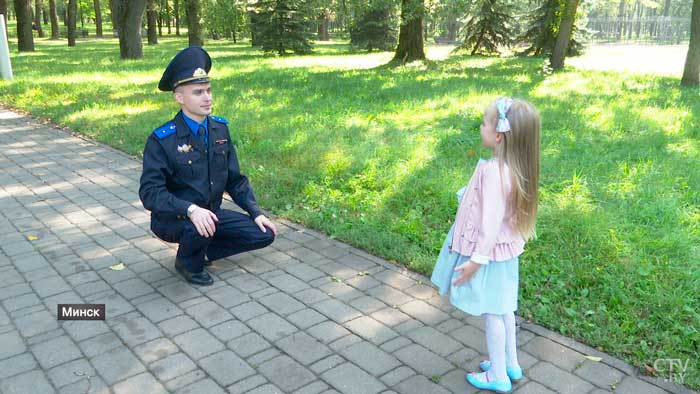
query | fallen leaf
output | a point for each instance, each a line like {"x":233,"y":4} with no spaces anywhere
{"x":594,"y":358}
{"x":32,"y":237}
{"x":117,"y":267}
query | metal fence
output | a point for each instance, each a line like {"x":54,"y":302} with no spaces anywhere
{"x":661,"y":29}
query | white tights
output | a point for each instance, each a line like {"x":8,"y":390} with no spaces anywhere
{"x":500,"y":340}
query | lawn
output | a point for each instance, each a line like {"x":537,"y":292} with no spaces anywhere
{"x":373,"y":155}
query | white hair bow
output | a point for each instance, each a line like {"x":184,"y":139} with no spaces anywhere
{"x":503,"y":105}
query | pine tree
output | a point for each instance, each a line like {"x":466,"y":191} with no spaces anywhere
{"x":489,"y":28}
{"x":541,"y":33}
{"x":281,"y":26}
{"x":375,"y":28}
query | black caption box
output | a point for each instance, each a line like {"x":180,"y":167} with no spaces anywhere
{"x":81,"y":311}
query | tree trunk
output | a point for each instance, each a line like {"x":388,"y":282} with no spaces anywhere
{"x":152,"y":14}
{"x":410,"y":46}
{"x":72,"y":13}
{"x":55,"y":32}
{"x":23,"y":12}
{"x":667,"y":7}
{"x":452,"y":28}
{"x":166,"y":15}
{"x":561,"y":46}
{"x":37,"y":18}
{"x":129,"y":14}
{"x":254,"y":39}
{"x":621,"y":19}
{"x":194,"y":27}
{"x":177,"y":17}
{"x":323,"y":27}
{"x":98,"y":18}
{"x":691,"y":72}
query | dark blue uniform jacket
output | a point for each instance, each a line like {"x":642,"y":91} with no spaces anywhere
{"x":173,"y":179}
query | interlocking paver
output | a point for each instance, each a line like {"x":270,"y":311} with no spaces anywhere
{"x":172,"y":366}
{"x":271,"y":326}
{"x":350,"y":379}
{"x":117,"y":364}
{"x":198,"y":343}
{"x":226,"y":367}
{"x":15,"y":365}
{"x":30,"y":382}
{"x":370,"y":358}
{"x":55,"y":351}
{"x":307,"y":315}
{"x":71,"y":372}
{"x":303,"y":348}
{"x":143,"y":383}
{"x":155,"y":350}
{"x":286,"y":373}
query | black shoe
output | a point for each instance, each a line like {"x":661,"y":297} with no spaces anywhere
{"x":200,"y":278}
{"x":207,"y":263}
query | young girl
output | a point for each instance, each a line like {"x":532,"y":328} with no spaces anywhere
{"x":478,"y":263}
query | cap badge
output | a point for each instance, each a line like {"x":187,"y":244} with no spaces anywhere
{"x":199,"y":73}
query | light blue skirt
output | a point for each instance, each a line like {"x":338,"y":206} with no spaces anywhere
{"x":493,"y":288}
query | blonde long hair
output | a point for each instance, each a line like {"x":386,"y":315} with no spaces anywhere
{"x":519,"y":149}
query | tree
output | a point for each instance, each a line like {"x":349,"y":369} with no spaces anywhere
{"x":410,"y":46}
{"x":564,"y":36}
{"x":374,"y":29}
{"x":176,"y":12}
{"x":691,"y":72}
{"x":489,"y":28}
{"x":23,"y":12}
{"x":37,"y":18}
{"x":281,"y":26}
{"x":129,"y":14}
{"x":72,"y":15}
{"x":98,"y":18}
{"x":194,"y":26}
{"x":151,"y":16}
{"x":541,"y":33}
{"x":55,"y":32}
{"x":323,"y":18}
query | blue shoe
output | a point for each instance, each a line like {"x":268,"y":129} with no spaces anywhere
{"x":514,"y":374}
{"x":499,"y":386}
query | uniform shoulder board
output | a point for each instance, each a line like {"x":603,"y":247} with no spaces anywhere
{"x":219,"y":119}
{"x":165,"y":130}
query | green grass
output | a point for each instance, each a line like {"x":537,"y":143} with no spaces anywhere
{"x":373,"y":155}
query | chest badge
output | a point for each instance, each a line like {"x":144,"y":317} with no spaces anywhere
{"x":184,"y":148}
{"x":221,"y":142}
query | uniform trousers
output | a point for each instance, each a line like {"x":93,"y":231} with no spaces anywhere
{"x":235,"y":233}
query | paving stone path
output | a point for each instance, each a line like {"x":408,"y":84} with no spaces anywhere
{"x":307,"y":315}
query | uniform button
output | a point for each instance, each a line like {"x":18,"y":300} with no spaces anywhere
{"x":189,"y":161}
{"x":211,"y":183}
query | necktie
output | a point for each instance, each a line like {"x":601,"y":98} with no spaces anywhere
{"x":203,"y":135}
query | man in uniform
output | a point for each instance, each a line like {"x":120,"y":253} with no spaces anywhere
{"x":188,"y":163}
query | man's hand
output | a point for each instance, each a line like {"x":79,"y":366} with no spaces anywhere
{"x":262,"y":221}
{"x":203,"y":220}
{"x":468,"y":270}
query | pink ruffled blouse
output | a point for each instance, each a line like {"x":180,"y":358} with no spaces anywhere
{"x":482,"y":230}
